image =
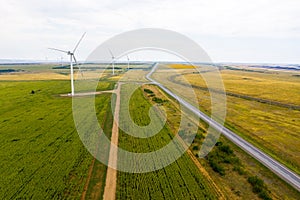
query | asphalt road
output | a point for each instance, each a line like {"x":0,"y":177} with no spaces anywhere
{"x":283,"y":172}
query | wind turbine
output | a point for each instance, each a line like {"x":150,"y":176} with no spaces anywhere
{"x":61,"y":61}
{"x":113,"y":61}
{"x":72,"y":56}
{"x":127,"y":62}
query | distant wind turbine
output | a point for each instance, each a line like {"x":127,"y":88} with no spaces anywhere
{"x":72,"y":56}
{"x":61,"y":61}
{"x":113,"y":61}
{"x":127,"y":63}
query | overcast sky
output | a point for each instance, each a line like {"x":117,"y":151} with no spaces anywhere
{"x":229,"y":30}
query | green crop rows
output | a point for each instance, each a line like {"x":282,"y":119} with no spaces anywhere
{"x":41,"y":154}
{"x":180,"y":180}
{"x":96,"y":184}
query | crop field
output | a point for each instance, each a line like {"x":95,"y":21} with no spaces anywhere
{"x":28,"y":67}
{"x":181,"y":66}
{"x":180,"y":180}
{"x":273,"y":128}
{"x":42,"y":156}
{"x":94,"y":187}
{"x":277,"y":86}
{"x":228,"y":165}
{"x":52,"y":72}
{"x":33,"y":76}
{"x":41,"y":153}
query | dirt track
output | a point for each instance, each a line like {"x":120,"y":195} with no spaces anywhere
{"x":111,"y":175}
{"x":83,"y":195}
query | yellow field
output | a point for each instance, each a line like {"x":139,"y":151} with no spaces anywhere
{"x":49,"y":75}
{"x":33,"y":76}
{"x":273,"y":128}
{"x":281,"y":87}
{"x":181,"y":66}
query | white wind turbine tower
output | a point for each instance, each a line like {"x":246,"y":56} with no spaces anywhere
{"x":61,"y":61}
{"x":72,"y":56}
{"x":113,"y":61}
{"x":127,"y":63}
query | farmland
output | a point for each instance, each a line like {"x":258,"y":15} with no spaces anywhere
{"x":31,"y":72}
{"x":43,"y":157}
{"x":272,"y":127}
{"x":181,"y":180}
{"x":228,"y":165}
{"x":94,"y":187}
{"x":41,"y":153}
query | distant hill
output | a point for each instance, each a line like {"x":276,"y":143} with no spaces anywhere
{"x":17,"y":61}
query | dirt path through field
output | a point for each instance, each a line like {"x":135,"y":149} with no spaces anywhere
{"x":88,"y":180}
{"x":91,"y":168}
{"x":111,"y":175}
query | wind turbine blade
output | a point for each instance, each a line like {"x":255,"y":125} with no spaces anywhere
{"x":127,"y":62}
{"x":75,"y":60}
{"x":112,"y":55}
{"x":79,"y":42}
{"x":77,"y":65}
{"x":58,"y":50}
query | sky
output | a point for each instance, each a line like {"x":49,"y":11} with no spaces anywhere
{"x":257,"y":31}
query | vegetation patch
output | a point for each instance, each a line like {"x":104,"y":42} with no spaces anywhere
{"x":221,"y":155}
{"x":148,"y":91}
{"x":222,"y":159}
{"x":2,"y":71}
{"x":259,"y":187}
{"x":158,"y":100}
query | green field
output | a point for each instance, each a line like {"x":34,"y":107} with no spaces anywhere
{"x":41,"y":154}
{"x":180,"y":180}
{"x":96,"y":181}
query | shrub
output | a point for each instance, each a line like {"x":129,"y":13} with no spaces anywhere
{"x":239,"y":169}
{"x":195,"y":148}
{"x":226,"y":149}
{"x":259,"y":187}
{"x":264,"y":195}
{"x":199,"y":136}
{"x":219,"y":143}
{"x":222,"y":154}
{"x":254,"y":180}
{"x":148,"y":91}
{"x":158,"y":100}
{"x":217,"y":167}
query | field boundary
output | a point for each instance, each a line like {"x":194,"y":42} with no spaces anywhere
{"x":111,"y":174}
{"x":88,"y":180}
{"x":242,"y":96}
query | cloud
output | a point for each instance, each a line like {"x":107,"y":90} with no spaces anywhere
{"x":28,"y":27}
